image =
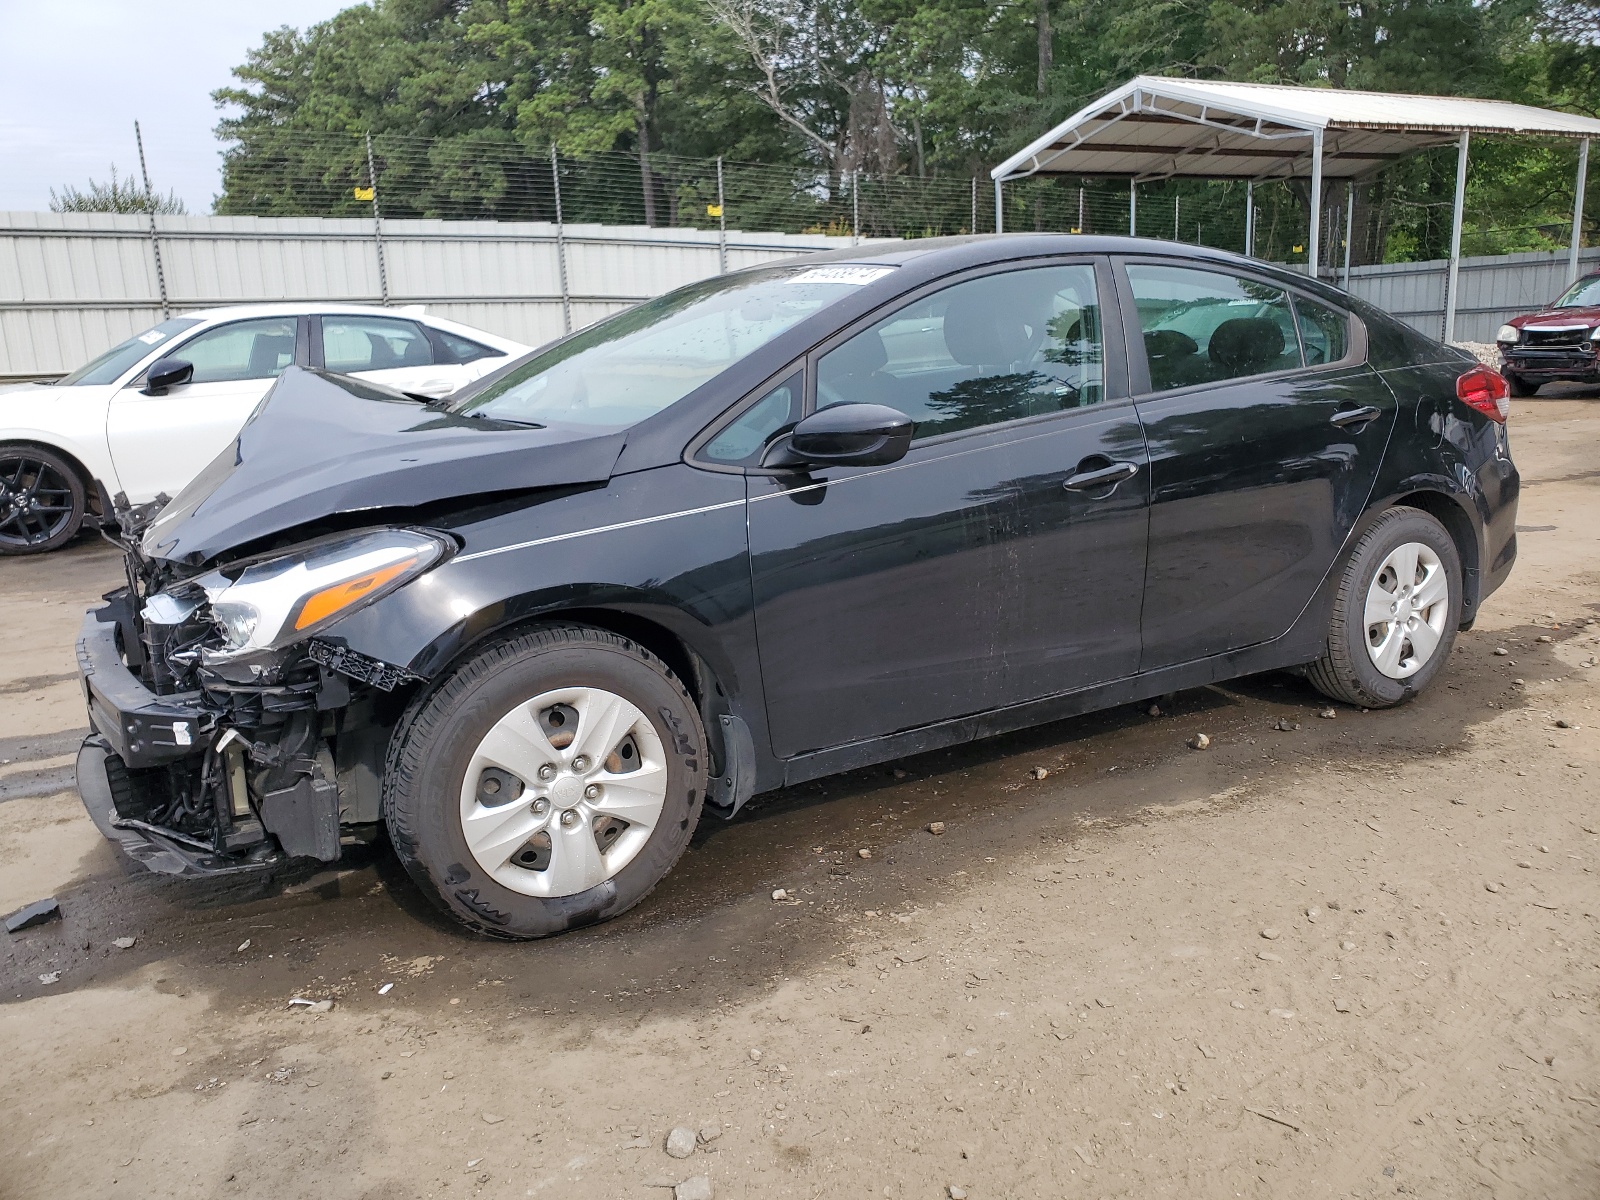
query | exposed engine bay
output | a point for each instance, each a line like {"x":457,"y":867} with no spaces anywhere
{"x":231,"y":737}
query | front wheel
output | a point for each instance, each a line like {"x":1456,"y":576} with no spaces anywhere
{"x":42,"y":500}
{"x":1396,"y":613}
{"x":1519,"y":387}
{"x":549,"y":782}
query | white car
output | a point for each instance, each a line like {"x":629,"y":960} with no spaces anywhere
{"x":146,"y":416}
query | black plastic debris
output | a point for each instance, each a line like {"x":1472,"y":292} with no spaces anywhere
{"x":36,"y":913}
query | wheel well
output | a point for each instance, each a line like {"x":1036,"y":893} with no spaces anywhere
{"x":1456,"y":522}
{"x":91,"y":493}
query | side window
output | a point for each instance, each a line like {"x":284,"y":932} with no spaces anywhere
{"x":243,"y":350}
{"x":1324,"y":331}
{"x":744,"y":438}
{"x":463,"y":350}
{"x":1205,"y":326}
{"x":978,"y":353}
{"x":372,"y":344}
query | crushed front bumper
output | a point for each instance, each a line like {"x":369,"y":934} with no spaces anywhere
{"x":1563,"y":363}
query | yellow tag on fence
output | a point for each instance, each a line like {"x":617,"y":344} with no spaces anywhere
{"x":366,"y":193}
{"x":713,"y":210}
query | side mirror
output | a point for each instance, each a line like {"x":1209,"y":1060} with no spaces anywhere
{"x":166,"y":373}
{"x":848,"y":435}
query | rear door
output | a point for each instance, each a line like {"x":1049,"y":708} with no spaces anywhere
{"x":159,"y":443}
{"x":1265,"y":429}
{"x":394,"y":351}
{"x":966,"y":576}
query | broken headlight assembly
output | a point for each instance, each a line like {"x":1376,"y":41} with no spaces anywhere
{"x":276,"y":602}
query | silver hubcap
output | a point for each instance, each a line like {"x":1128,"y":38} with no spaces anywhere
{"x":563,"y":792}
{"x":1407,"y":606}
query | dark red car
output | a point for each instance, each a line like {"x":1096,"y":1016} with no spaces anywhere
{"x":1555,"y":343}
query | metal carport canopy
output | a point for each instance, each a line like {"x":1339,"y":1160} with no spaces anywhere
{"x":1158,"y":128}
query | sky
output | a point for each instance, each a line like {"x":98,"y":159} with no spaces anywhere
{"x":76,"y":74}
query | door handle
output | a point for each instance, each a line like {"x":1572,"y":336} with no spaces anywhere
{"x":1101,"y":477}
{"x":1354,"y":416}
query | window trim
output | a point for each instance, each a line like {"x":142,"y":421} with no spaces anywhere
{"x":1138,"y":365}
{"x":299,"y":319}
{"x":1115,"y":382}
{"x":692,"y":452}
{"x":317,"y":358}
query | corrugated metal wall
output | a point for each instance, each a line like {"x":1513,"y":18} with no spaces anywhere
{"x":73,"y":284}
{"x":1492,"y":289}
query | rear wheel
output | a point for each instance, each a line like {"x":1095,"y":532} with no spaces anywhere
{"x":1396,"y":613}
{"x":549,"y":782}
{"x":1518,"y":386}
{"x":42,"y":500}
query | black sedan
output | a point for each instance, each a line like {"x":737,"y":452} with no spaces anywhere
{"x":772,"y":526}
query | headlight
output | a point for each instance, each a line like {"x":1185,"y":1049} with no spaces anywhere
{"x":1508,"y":333}
{"x":283,"y":600}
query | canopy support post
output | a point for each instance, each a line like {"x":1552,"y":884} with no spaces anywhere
{"x":1577,"y":210}
{"x":1133,"y":208}
{"x":999,"y":206}
{"x":1250,"y":218}
{"x":1349,"y":229}
{"x":1314,"y":244}
{"x":1453,"y":279}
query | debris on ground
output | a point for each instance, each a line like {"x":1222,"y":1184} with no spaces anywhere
{"x":1153,"y":711}
{"x":490,"y":1118}
{"x":33,"y":914}
{"x":386,"y":989}
{"x":1501,"y":652}
{"x":936,"y":827}
{"x":124,"y":943}
{"x":1285,"y":725}
{"x":1039,"y":772}
{"x":1199,"y":741}
{"x":1328,"y":714}
{"x":1270,"y":933}
{"x":680,"y":1142}
{"x":863,"y":853}
{"x":696,"y":1188}
{"x":709,"y":1134}
{"x":50,"y":977}
{"x":243,"y":946}
{"x":780,"y":894}
{"x":314,"y":1006}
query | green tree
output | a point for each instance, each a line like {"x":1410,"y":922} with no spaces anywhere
{"x":113,"y":196}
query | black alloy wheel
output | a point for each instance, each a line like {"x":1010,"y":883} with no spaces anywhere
{"x":42,"y":500}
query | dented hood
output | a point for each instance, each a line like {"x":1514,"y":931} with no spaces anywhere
{"x":321,"y":445}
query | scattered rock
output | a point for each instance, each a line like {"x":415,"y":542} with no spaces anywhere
{"x":755,"y":1055}
{"x":936,"y":827}
{"x":1270,"y":934}
{"x":1285,"y":725}
{"x":863,"y":853}
{"x":1491,"y":887}
{"x":1313,"y":913}
{"x":490,"y":1118}
{"x":1154,"y":710}
{"x":50,"y":977}
{"x":1544,"y":637}
{"x":1333,"y":905}
{"x":1039,"y":772}
{"x":124,"y":943}
{"x":680,"y":1142}
{"x":1234,"y":1004}
{"x":243,"y":946}
{"x":311,"y":1006}
{"x":1347,"y":945}
{"x":1524,"y":864}
{"x":709,"y":1134}
{"x":1284,"y":1014}
{"x":386,"y":989}
{"x":697,"y":1188}
{"x":899,"y":773}
{"x":957,"y":1193}
{"x":1563,"y":723}
{"x":1269,"y":956}
{"x":1341,"y":1006}
{"x":1328,"y":714}
{"x":1501,"y":652}
{"x":780,"y":894}
{"x":1199,"y":741}
{"x":179,"y":1051}
{"x":33,"y":914}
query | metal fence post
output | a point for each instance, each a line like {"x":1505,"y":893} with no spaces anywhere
{"x":1250,"y":218}
{"x":1349,"y":229}
{"x":855,"y":207}
{"x":1133,"y":208}
{"x":973,"y":227}
{"x":1453,"y":275}
{"x":722,"y":224}
{"x":999,"y":206}
{"x":155,"y":242}
{"x":561,"y":244}
{"x":377,"y":224}
{"x":1577,"y":211}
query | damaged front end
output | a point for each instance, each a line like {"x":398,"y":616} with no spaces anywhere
{"x":226,"y":735}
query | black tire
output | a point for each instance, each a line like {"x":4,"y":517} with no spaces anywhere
{"x":42,"y":500}
{"x":434,"y":743}
{"x":1520,"y":387}
{"x":1346,"y":671}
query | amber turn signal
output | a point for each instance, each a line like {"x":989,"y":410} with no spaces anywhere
{"x":319,"y":606}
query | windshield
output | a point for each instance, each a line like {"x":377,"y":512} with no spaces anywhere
{"x":1583,"y":294}
{"x":636,"y":363}
{"x":108,"y":368}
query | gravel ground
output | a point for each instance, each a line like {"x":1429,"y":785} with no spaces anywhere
{"x":1357,"y":956}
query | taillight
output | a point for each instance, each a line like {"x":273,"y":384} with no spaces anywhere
{"x":1484,"y":390}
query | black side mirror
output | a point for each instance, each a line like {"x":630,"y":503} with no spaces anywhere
{"x":166,"y":373}
{"x":847,"y":435}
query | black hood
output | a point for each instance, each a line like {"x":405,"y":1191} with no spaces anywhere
{"x":320,"y":445}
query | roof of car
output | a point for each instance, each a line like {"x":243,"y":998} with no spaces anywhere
{"x":1018,"y":245}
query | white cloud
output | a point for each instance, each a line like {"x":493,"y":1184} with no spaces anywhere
{"x":76,"y":74}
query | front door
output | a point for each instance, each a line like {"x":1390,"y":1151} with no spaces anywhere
{"x":966,"y":576}
{"x":1266,"y":430}
{"x":159,"y":443}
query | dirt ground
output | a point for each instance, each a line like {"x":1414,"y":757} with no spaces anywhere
{"x":1358,"y":958}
